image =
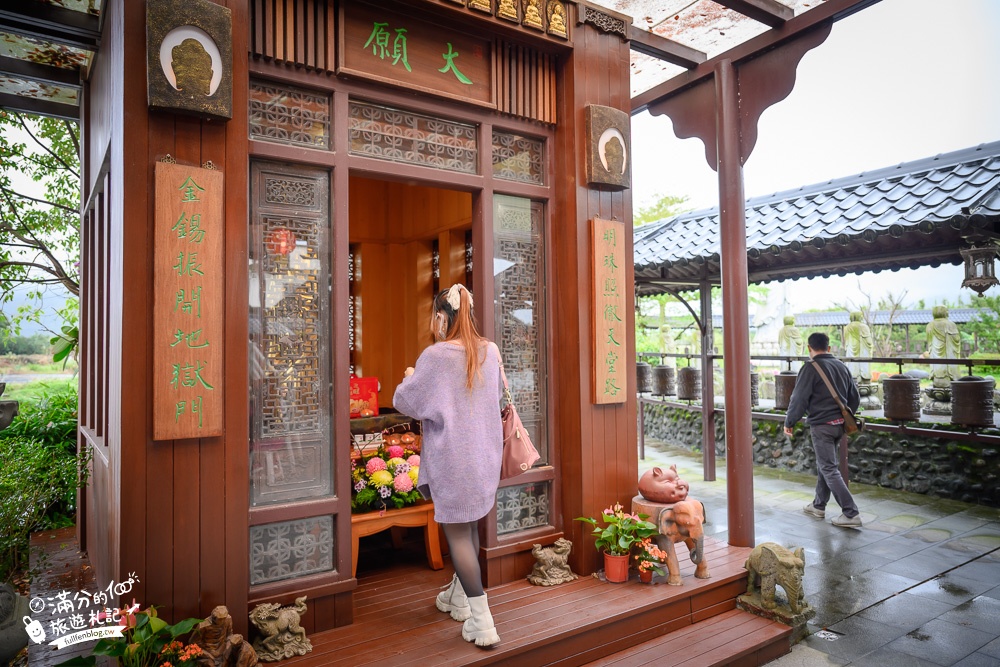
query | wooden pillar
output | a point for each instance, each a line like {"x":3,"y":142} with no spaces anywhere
{"x":707,"y":383}
{"x":736,"y":342}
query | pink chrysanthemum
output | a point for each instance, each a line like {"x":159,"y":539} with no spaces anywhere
{"x":394,"y":452}
{"x":414,"y":460}
{"x":402,"y":483}
{"x":374,"y":465}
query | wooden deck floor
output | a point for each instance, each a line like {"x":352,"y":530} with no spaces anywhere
{"x":586,"y":622}
{"x":397,"y":623}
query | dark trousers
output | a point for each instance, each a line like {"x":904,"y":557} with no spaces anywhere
{"x":826,"y":439}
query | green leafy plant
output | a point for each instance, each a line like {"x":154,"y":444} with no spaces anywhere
{"x":146,"y":641}
{"x":622,"y":530}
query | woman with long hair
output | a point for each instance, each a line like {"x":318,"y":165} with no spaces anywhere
{"x":455,"y":390}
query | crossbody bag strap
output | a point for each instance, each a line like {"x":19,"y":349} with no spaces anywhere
{"x":833,"y":392}
{"x":503,"y":375}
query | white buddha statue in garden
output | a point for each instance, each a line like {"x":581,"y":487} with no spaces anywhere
{"x":943,"y":342}
{"x":859,"y":342}
{"x":790,"y":343}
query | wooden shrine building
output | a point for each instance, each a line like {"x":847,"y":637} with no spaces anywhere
{"x":273,"y":190}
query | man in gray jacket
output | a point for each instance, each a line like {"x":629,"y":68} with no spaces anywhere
{"x":826,"y":426}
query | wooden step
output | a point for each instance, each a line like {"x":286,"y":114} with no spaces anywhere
{"x":733,"y":638}
{"x":567,"y":625}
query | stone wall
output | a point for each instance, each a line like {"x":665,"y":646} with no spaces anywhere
{"x":966,"y":471}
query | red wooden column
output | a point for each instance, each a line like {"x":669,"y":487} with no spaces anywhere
{"x":736,"y":340}
{"x":738,"y":90}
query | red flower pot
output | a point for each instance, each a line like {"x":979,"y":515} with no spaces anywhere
{"x":646,"y":576}
{"x":615,"y":567}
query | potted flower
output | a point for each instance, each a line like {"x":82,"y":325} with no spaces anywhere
{"x":617,"y":537}
{"x":387,"y":479}
{"x":146,"y":641}
{"x":648,"y":559}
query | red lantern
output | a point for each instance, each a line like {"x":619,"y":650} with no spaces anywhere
{"x":280,"y":242}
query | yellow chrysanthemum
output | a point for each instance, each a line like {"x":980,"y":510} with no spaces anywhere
{"x":382,"y":478}
{"x":413,"y":472}
{"x":395,"y":461}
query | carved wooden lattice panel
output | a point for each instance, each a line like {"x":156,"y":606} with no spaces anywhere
{"x":520,"y":308}
{"x":518,"y":158}
{"x":290,"y":430}
{"x":403,"y":136}
{"x":289,"y":549}
{"x":522,"y":507}
{"x":288,"y":115}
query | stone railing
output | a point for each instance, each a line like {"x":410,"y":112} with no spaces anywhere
{"x":962,"y":468}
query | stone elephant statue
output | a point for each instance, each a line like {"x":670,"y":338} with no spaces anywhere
{"x":771,"y":565}
{"x":683,"y":522}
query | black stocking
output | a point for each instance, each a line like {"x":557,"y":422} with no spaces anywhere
{"x":463,"y":543}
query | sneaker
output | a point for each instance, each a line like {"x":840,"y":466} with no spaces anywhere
{"x":845,"y":521}
{"x":811,"y":510}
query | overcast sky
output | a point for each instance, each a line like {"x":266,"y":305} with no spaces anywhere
{"x":899,"y":81}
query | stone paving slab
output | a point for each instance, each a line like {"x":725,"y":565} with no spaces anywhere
{"x":918,"y":585}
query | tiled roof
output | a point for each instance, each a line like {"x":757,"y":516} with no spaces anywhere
{"x":913,"y":214}
{"x":899,"y":317}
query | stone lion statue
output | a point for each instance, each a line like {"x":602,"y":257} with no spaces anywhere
{"x":552,"y":565}
{"x":283,"y":637}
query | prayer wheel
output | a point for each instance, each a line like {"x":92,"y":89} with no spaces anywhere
{"x":688,"y":384}
{"x":664,"y":381}
{"x":902,"y":398}
{"x":784,"y":383}
{"x":754,"y":388}
{"x":644,"y":378}
{"x":972,"y":401}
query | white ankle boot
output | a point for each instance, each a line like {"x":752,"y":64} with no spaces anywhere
{"x":453,"y":600}
{"x":480,"y":628}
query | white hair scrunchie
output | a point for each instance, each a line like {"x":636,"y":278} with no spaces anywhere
{"x":454,"y":297}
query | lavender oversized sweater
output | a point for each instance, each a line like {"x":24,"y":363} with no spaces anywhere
{"x":462,"y":435}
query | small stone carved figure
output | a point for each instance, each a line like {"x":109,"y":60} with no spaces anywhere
{"x":283,"y":637}
{"x":221,"y":647}
{"x":683,"y":522}
{"x":552,"y":567}
{"x":14,"y":613}
{"x":771,"y":565}
{"x":790,"y":343}
{"x":943,"y":342}
{"x":667,"y":345}
{"x":663,"y":486}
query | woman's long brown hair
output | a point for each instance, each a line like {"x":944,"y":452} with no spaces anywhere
{"x":462,"y":327}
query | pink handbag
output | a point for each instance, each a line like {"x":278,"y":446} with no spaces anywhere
{"x":518,"y":452}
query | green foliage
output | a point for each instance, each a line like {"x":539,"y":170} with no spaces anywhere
{"x":50,"y":419}
{"x":142,"y":643}
{"x":987,"y":327}
{"x":35,"y":481}
{"x":23,"y":345}
{"x":39,"y":209}
{"x":623,"y":530}
{"x":665,"y":206}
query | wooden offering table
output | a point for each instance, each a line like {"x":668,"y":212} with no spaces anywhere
{"x":421,"y":514}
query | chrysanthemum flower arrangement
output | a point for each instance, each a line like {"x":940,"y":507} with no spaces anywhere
{"x":387,"y":479}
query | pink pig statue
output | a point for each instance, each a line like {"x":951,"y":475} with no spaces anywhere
{"x":663,"y":486}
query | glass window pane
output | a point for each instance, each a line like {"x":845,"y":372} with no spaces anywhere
{"x":517,"y":158}
{"x":290,"y":355}
{"x":290,"y":549}
{"x":288,"y":115}
{"x":518,"y":266}
{"x":522,"y":507}
{"x":403,"y":136}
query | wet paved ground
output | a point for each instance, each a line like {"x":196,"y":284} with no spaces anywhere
{"x":918,"y":585}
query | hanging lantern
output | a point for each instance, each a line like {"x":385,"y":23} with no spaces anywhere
{"x":281,"y":241}
{"x":979,"y":274}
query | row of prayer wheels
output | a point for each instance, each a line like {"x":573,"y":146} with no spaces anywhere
{"x":685,"y":382}
{"x":971,"y":398}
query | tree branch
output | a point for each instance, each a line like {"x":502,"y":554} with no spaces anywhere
{"x":48,"y":150}
{"x":41,"y":201}
{"x":73,"y":136}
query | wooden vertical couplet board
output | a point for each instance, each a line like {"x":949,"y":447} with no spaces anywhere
{"x":609,"y":316}
{"x":188,"y":335}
